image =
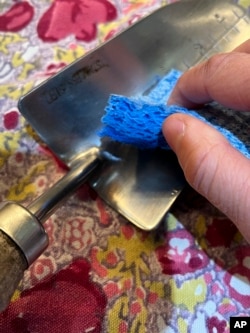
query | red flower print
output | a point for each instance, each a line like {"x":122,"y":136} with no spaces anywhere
{"x":41,"y":268}
{"x":47,"y":152}
{"x":17,"y":17}
{"x":238,"y":278}
{"x":77,"y":17}
{"x":216,"y":325}
{"x":221,"y":232}
{"x":67,"y":302}
{"x":111,"y":289}
{"x":10,"y":119}
{"x":78,"y":233}
{"x":105,"y":218}
{"x":50,"y":228}
{"x":128,"y":231}
{"x":135,"y":307}
{"x":181,"y":255}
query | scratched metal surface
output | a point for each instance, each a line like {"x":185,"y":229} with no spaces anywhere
{"x":66,"y":110}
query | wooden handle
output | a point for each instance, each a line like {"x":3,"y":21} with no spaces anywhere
{"x":12,"y":267}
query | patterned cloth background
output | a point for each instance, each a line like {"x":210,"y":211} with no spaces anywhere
{"x":100,"y":273}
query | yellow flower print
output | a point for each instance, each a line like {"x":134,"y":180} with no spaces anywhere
{"x":189,"y":294}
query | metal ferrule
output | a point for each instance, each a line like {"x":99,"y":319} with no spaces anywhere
{"x":24,"y":229}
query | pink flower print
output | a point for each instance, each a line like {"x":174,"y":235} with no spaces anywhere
{"x":17,"y":17}
{"x":51,"y":69}
{"x":181,"y":255}
{"x":74,"y":17}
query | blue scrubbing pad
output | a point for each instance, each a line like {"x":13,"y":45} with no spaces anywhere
{"x":138,"y":120}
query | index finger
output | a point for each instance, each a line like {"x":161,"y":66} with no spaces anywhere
{"x":224,"y":78}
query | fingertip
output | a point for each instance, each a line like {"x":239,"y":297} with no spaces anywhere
{"x":177,"y":96}
{"x":181,"y":94}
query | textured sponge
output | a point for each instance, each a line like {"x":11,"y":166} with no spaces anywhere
{"x":138,"y":120}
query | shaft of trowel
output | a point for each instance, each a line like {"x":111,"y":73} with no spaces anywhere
{"x":22,"y":236}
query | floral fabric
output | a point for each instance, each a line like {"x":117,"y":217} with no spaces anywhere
{"x":100,"y":273}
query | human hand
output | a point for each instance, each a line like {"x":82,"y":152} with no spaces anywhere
{"x":210,"y":164}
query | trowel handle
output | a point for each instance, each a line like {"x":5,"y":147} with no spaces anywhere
{"x":12,"y":267}
{"x":22,"y":236}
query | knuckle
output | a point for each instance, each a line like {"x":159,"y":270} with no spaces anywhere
{"x":215,"y":63}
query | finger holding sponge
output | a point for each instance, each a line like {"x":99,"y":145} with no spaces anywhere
{"x":138,"y":120}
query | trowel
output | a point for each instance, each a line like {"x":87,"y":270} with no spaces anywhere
{"x":66,"y":111}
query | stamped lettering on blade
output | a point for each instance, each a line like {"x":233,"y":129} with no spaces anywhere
{"x":54,"y":93}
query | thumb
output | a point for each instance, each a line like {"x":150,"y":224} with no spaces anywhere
{"x":212,"y":167}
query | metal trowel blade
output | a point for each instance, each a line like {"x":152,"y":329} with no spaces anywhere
{"x":66,"y":110}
